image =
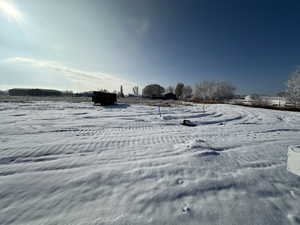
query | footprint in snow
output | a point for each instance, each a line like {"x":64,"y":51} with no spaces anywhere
{"x":180,"y":181}
{"x":186,"y":210}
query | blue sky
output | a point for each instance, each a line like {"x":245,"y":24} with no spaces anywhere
{"x":86,"y":45}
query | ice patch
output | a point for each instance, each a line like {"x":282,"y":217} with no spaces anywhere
{"x":293,"y":162}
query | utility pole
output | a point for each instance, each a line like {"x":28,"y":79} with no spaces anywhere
{"x":121,"y":92}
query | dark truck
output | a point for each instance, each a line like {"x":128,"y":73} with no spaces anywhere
{"x":104,"y":98}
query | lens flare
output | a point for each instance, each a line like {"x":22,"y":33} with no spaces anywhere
{"x":10,"y":11}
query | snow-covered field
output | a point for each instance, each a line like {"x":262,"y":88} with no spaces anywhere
{"x":75,"y":163}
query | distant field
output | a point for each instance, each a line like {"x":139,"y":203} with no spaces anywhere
{"x":133,"y":100}
{"x":130,"y":100}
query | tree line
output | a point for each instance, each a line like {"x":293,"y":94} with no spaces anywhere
{"x":220,"y":90}
{"x":293,"y":88}
{"x":34,"y":92}
{"x":206,"y":90}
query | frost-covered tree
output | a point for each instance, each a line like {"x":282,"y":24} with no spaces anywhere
{"x":204,"y":90}
{"x":153,"y":90}
{"x":214,"y":90}
{"x":257,"y":99}
{"x":281,"y":94}
{"x":170,"y":89}
{"x":179,"y":90}
{"x":187,"y":92}
{"x":293,"y":88}
{"x":135,"y":90}
{"x":121,"y":93}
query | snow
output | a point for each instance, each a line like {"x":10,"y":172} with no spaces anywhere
{"x":293,"y":162}
{"x":75,"y":163}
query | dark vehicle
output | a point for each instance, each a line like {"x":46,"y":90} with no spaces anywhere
{"x":104,"y":98}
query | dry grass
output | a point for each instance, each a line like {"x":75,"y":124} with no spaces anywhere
{"x":282,"y":108}
{"x":131,"y":100}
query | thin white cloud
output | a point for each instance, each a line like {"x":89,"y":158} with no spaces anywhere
{"x":80,"y":80}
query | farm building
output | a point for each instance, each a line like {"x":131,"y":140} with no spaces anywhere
{"x":266,"y":100}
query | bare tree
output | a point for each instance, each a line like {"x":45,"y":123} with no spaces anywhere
{"x":179,"y":90}
{"x":214,"y":90}
{"x":67,"y":93}
{"x":135,"y":90}
{"x":282,"y":94}
{"x":170,"y":89}
{"x":153,"y":90}
{"x":293,"y":88}
{"x":187,"y":92}
{"x":224,"y":90}
{"x":204,"y":90}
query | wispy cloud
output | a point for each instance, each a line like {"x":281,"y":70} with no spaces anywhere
{"x":81,"y":80}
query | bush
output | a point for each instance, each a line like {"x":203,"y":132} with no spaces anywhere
{"x":153,"y":91}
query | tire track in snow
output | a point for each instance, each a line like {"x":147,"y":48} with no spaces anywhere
{"x":145,"y":169}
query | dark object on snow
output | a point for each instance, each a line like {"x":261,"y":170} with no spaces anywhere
{"x":170,"y":96}
{"x":104,"y":98}
{"x":188,"y":123}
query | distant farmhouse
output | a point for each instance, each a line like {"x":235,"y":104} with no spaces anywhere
{"x":265,"y":100}
{"x":275,"y":100}
{"x":33,"y":92}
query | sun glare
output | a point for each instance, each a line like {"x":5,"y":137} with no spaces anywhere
{"x":10,"y":11}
